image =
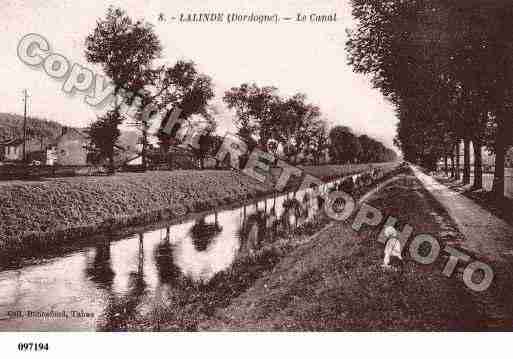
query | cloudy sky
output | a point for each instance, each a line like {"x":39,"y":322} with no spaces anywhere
{"x":293,"y":56}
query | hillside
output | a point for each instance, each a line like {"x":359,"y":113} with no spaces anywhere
{"x":11,"y":126}
{"x":42,"y":132}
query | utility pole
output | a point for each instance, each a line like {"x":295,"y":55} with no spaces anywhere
{"x":25,"y":99}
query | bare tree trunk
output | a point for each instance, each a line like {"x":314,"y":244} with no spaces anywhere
{"x":478,"y":165}
{"x":457,"y":161}
{"x":112,"y":168}
{"x":500,"y":154}
{"x":466,"y":161}
{"x":498,"y":177}
{"x":111,"y":164}
{"x":144,"y":148}
{"x":446,"y":168}
{"x":453,"y":168}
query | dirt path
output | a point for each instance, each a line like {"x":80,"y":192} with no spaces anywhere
{"x":485,"y":233}
{"x":490,"y":239}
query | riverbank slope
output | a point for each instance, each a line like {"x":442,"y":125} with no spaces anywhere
{"x":39,"y":216}
{"x":336,"y":282}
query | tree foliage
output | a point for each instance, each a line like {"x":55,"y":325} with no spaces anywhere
{"x":447,"y":66}
{"x":127,"y":50}
{"x":104,"y":134}
{"x":345,"y":146}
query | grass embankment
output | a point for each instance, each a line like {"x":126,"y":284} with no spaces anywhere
{"x":336,"y":282}
{"x":331,"y":172}
{"x":39,"y":215}
{"x":186,"y":305}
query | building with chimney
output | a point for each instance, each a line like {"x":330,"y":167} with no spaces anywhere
{"x":11,"y":150}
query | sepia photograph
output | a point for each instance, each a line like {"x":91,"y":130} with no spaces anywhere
{"x":239,"y":167}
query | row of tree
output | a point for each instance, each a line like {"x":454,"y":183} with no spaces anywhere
{"x":128,"y":52}
{"x":296,"y":126}
{"x":346,"y":147}
{"x":448,"y":68}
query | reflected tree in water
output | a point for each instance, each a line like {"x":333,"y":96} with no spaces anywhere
{"x":202,"y":233}
{"x":252,"y":232}
{"x":136,"y":282}
{"x":167,"y":270}
{"x":292,"y":212}
{"x":121,"y":309}
{"x":99,"y":269}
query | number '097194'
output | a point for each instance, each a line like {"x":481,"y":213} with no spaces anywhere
{"x":33,"y":347}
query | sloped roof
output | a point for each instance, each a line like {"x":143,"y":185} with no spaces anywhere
{"x":73,"y":133}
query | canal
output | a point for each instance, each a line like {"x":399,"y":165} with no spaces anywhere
{"x":118,"y":280}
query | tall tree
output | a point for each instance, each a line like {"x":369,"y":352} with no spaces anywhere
{"x":295,"y":125}
{"x":318,"y":141}
{"x":125,"y":49}
{"x":182,"y":87}
{"x":104,"y":134}
{"x":257,"y":110}
{"x":447,"y":66}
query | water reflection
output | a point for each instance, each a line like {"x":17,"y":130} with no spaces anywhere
{"x":203,"y":233}
{"x":121,"y":306}
{"x":252,"y":231}
{"x":99,"y":269}
{"x":124,"y":280}
{"x":136,"y":288}
{"x":168,"y":271}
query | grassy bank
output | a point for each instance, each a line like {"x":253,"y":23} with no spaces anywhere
{"x":336,"y":282}
{"x":39,"y":214}
{"x":187,"y":305}
{"x":331,"y":172}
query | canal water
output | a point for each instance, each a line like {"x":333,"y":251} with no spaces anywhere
{"x":93,"y":287}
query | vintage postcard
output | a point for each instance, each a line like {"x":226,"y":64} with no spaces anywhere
{"x":280,"y":166}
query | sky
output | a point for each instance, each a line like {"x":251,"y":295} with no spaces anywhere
{"x":292,"y":56}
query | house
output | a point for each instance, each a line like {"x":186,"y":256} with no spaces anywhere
{"x":11,"y":150}
{"x":51,"y":156}
{"x":69,"y":149}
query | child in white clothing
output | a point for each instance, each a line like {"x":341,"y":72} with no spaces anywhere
{"x":392,"y":247}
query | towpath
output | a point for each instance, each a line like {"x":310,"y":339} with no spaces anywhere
{"x":485,"y":233}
